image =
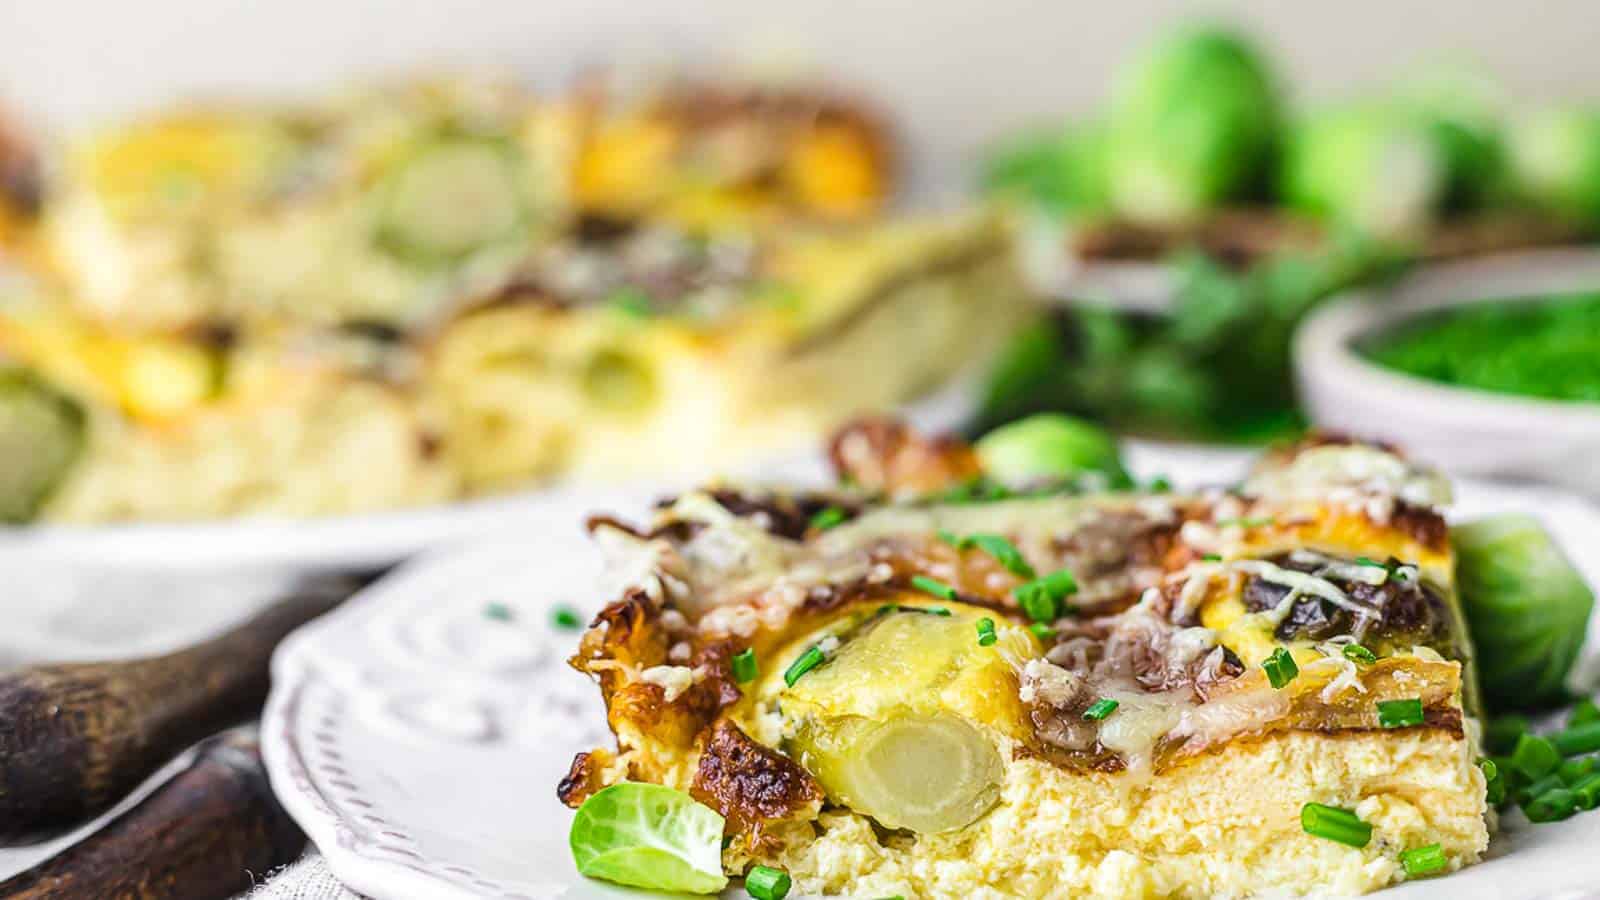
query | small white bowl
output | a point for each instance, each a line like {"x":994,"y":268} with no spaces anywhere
{"x":1463,"y":430}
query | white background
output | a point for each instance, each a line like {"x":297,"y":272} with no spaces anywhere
{"x":957,"y":71}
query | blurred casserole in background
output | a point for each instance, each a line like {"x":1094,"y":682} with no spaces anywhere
{"x":400,"y":294}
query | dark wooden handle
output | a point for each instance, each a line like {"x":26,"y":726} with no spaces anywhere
{"x":204,"y":835}
{"x":76,"y":738}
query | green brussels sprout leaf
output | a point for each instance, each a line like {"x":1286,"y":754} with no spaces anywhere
{"x":1527,"y":608}
{"x":1049,"y":447}
{"x":649,"y":836}
{"x":41,"y":438}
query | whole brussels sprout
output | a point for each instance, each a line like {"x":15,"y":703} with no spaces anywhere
{"x":1373,"y":165}
{"x":1555,"y":161}
{"x":1062,"y":170}
{"x":1193,"y":123}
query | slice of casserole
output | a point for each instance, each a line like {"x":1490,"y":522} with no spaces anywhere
{"x":202,"y":424}
{"x":368,"y":203}
{"x":928,"y":686}
{"x":650,"y":351}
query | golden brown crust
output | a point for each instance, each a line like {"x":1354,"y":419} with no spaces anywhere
{"x":582,"y":779}
{"x":751,"y":785}
{"x":885,"y":455}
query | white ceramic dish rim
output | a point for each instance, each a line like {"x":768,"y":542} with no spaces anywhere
{"x":1324,"y":344}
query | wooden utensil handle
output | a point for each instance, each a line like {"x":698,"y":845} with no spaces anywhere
{"x":75,"y":738}
{"x":206,"y":834}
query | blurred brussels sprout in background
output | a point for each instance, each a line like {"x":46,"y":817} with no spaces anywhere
{"x":1193,"y":123}
{"x":1062,"y":170}
{"x":1370,"y":164}
{"x":1462,"y":108}
{"x":1050,"y":448}
{"x":1555,"y":161}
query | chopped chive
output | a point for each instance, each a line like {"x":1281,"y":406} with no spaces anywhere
{"x":1042,"y":631}
{"x":933,"y":586}
{"x":953,"y":539}
{"x":1101,"y":708}
{"x":1534,"y":756}
{"x":1573,"y":770}
{"x":1494,"y":783}
{"x":1528,"y":793}
{"x":1502,"y":734}
{"x":630,"y":301}
{"x":1280,"y":668}
{"x":986,"y":635}
{"x":1005,"y":552}
{"x":1042,"y":598}
{"x":807,"y":661}
{"x":1587,"y":791}
{"x":1583,"y":738}
{"x":1583,"y":712}
{"x":498,"y":612}
{"x":767,"y":883}
{"x":1369,"y":561}
{"x":1421,"y":861}
{"x":827,"y":517}
{"x":1553,"y":805}
{"x":1359,"y":654}
{"x":745,"y":668}
{"x":566,"y":618}
{"x":1160,"y":485}
{"x":1401,"y":713}
{"x":1212,"y":557}
{"x":1335,"y":824}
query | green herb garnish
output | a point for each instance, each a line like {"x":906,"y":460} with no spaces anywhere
{"x":766,"y":883}
{"x":745,"y":668}
{"x":649,"y":836}
{"x":1280,"y":668}
{"x":1101,"y":708}
{"x":565,"y":618}
{"x":1583,"y":738}
{"x":631,"y":302}
{"x":1400,"y":713}
{"x":1335,"y":824}
{"x":1494,"y":782}
{"x":1421,"y":861}
{"x":1359,"y":654}
{"x":1587,"y":791}
{"x":1534,"y":756}
{"x":1005,"y":552}
{"x":804,"y":663}
{"x":986,"y":635}
{"x":1042,"y":598}
{"x":498,"y":612}
{"x":827,"y":517}
{"x":1553,"y":805}
{"x":1042,"y":631}
{"x":933,"y":586}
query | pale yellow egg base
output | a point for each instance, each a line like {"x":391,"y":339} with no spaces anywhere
{"x":1226,"y":824}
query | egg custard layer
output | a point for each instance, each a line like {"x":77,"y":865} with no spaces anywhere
{"x":960,"y":690}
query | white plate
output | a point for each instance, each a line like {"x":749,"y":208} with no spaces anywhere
{"x":378,"y":539}
{"x":419,"y":741}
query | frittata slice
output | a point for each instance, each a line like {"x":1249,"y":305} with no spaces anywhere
{"x":974,"y":691}
{"x":651,"y":351}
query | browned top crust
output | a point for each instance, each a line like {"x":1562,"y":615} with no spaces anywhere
{"x":885,"y":456}
{"x":749,"y":784}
